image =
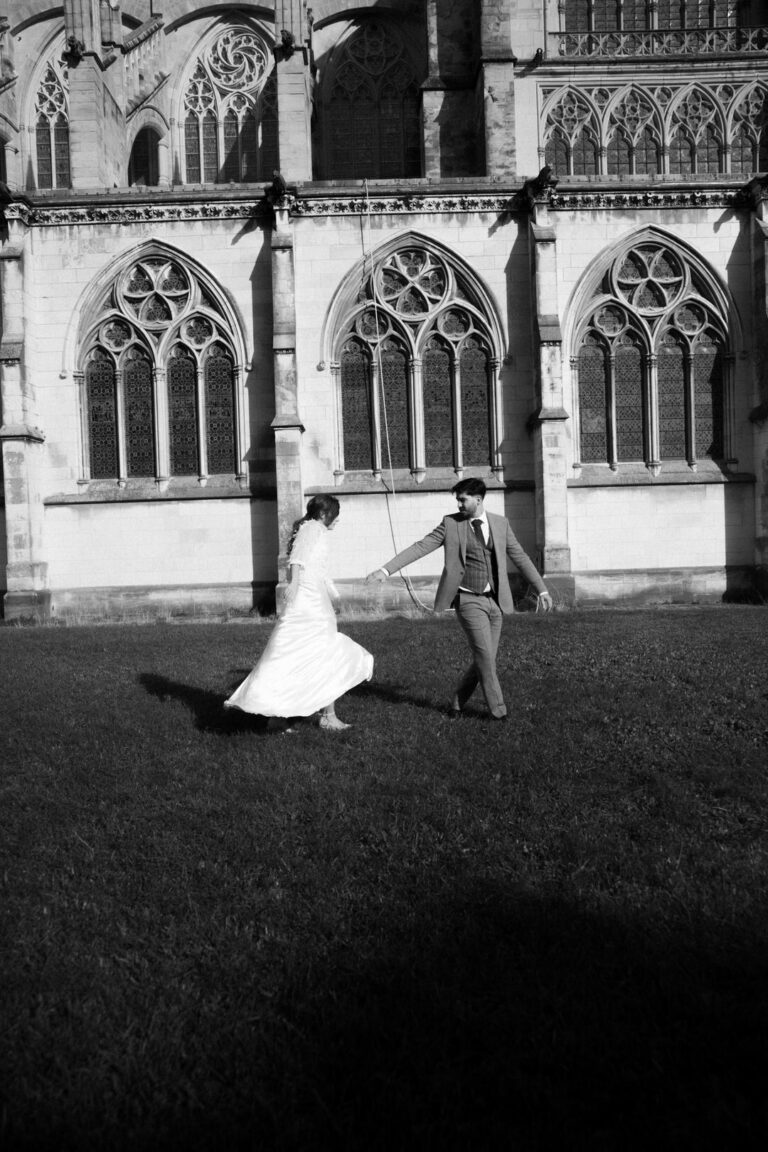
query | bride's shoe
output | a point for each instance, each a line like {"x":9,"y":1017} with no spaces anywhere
{"x":333,"y":724}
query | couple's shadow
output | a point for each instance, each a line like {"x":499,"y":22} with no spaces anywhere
{"x":211,"y":716}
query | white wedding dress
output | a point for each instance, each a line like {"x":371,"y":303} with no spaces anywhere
{"x":307,"y":663}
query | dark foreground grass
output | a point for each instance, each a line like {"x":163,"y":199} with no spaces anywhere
{"x":419,"y":934}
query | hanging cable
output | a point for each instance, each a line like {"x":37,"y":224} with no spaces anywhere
{"x":391,"y":511}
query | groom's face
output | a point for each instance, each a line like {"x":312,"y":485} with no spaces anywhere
{"x":469,"y":506}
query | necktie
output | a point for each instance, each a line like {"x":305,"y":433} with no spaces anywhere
{"x":477,"y":525}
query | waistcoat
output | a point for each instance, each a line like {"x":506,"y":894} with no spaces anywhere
{"x":479,"y":564}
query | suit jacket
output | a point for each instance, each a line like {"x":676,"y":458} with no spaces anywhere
{"x":452,"y":534}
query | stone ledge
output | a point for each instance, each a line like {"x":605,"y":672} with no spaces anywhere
{"x":631,"y":476}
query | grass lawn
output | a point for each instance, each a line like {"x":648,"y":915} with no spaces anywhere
{"x":418,"y":934}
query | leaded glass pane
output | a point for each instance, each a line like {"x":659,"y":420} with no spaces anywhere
{"x":605,"y":15}
{"x":139,"y":415}
{"x":249,"y":148}
{"x":192,"y":149}
{"x":577,"y":15}
{"x":635,"y":15}
{"x":584,"y":155}
{"x":475,"y":424}
{"x":356,"y":407}
{"x":629,"y":402}
{"x":220,"y":411}
{"x":670,"y":14}
{"x":269,"y":151}
{"x":61,"y":149}
{"x":671,"y":377}
{"x":102,"y":416}
{"x":44,"y":157}
{"x":647,"y":154}
{"x":743,"y":152}
{"x":708,"y":397}
{"x":438,"y":408}
{"x":708,"y":153}
{"x":556,"y":153}
{"x":682,"y":154}
{"x":231,"y":167}
{"x":592,"y":403}
{"x":619,"y":163}
{"x":394,"y":415}
{"x":182,"y":413}
{"x":210,"y":149}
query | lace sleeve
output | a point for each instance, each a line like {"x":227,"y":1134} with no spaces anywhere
{"x":307,"y":542}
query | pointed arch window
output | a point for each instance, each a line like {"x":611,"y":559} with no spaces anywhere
{"x":143,"y":165}
{"x":160,"y":379}
{"x":370,"y":108}
{"x":230,"y":111}
{"x":52,"y":128}
{"x":651,"y":364}
{"x":417,"y":373}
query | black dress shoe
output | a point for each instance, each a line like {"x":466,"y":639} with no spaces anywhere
{"x":454,"y":713}
{"x":498,"y":719}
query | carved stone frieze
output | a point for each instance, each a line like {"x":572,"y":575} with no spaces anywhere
{"x":137,"y":214}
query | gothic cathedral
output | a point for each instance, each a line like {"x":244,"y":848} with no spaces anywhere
{"x":252,"y":252}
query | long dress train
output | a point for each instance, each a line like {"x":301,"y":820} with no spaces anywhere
{"x":307,"y":663}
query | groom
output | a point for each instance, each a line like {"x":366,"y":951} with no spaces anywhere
{"x":475,"y":582}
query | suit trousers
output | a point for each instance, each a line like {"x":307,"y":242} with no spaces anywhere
{"x":481,"y":618}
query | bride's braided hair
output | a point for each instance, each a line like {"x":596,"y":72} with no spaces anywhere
{"x":317,"y":509}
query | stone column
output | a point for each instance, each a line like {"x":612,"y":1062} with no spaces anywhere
{"x":294,"y":90}
{"x":96,"y":105}
{"x":26,"y":575}
{"x":550,"y":446}
{"x":754,"y":197}
{"x":497,"y":95}
{"x":287,"y":423}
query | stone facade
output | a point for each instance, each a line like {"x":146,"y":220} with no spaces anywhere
{"x":254,"y":252}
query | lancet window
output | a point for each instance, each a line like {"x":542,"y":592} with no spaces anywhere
{"x":651,"y":364}
{"x":417,"y":371}
{"x":230,"y":112}
{"x":52,"y":128}
{"x":160,"y":381}
{"x":370,"y":110}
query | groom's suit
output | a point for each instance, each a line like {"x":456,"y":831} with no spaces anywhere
{"x":479,"y":613}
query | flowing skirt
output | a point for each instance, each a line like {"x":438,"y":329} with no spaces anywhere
{"x":307,"y":663}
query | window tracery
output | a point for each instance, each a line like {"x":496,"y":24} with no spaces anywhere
{"x":650,"y":363}
{"x":52,"y":127}
{"x":159,"y":378}
{"x":371,"y":107}
{"x":230,"y":111}
{"x":417,"y":371}
{"x":635,"y":130}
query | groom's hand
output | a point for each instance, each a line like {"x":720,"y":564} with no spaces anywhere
{"x":378,"y":576}
{"x":544,"y":602}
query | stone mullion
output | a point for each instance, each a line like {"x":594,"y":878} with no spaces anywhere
{"x":122,"y":439}
{"x":613,"y":449}
{"x":85,"y":434}
{"x":241,"y":436}
{"x":458,"y":415}
{"x":377,"y":400}
{"x":202,"y":439}
{"x":651,"y":413}
{"x":162,"y":426}
{"x":496,"y":418}
{"x":416,"y":414}
{"x":691,"y":448}
{"x":338,"y":423}
{"x":575,"y":416}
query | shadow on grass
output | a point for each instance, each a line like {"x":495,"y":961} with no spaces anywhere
{"x":394,"y":694}
{"x":207,"y":707}
{"x":506,"y":1021}
{"x":493,"y":1019}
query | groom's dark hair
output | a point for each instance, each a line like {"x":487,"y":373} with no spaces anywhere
{"x":470,"y":487}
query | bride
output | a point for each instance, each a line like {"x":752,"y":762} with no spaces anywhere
{"x":307,"y":664}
